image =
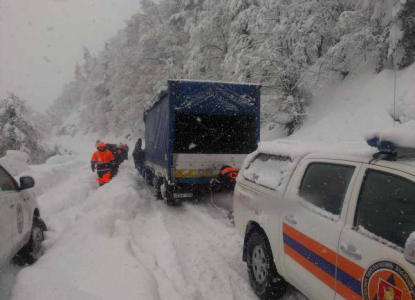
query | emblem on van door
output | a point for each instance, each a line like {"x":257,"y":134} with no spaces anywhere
{"x":386,"y":280}
{"x":20,"y":219}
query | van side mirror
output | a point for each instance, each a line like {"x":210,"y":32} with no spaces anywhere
{"x":26,"y":182}
{"x":410,"y":249}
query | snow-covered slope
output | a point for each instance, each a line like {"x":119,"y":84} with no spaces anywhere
{"x":360,"y":103}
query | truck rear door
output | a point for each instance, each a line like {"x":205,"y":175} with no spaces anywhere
{"x":318,"y":194}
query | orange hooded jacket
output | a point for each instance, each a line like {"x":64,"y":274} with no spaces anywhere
{"x":104,"y":157}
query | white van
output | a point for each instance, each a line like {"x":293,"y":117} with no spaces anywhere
{"x":337,"y":225}
{"x":21,"y":228}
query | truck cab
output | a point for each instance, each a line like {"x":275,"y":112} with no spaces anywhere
{"x":333,"y":224}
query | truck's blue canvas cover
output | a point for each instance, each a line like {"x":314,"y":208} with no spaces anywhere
{"x":197,"y":98}
{"x":214,"y":98}
{"x":158,"y":131}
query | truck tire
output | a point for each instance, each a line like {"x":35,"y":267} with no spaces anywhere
{"x":148,"y":177}
{"x":158,"y":182}
{"x":31,"y":252}
{"x":263,"y":275}
{"x":173,"y":202}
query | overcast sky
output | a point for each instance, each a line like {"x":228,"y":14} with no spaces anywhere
{"x":41,"y":41}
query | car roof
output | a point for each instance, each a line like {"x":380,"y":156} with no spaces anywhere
{"x":358,"y":152}
{"x":358,"y":157}
{"x":352,"y":152}
{"x":404,"y":165}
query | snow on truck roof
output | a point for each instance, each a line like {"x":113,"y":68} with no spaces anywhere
{"x":209,"y":97}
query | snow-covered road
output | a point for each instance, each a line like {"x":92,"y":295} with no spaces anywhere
{"x":119,"y":242}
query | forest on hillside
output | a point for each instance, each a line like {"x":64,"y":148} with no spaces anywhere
{"x":290,"y":47}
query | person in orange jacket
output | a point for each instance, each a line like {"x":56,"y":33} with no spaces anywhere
{"x":226,"y":179}
{"x":103,"y":161}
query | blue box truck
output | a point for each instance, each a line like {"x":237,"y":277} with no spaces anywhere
{"x":193,"y":128}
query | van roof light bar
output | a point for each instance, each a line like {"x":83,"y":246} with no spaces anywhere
{"x":388,"y":150}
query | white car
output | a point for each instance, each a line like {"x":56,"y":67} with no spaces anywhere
{"x":21,"y":228}
{"x":335,"y":226}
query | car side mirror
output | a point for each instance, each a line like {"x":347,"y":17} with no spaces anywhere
{"x":26,"y":182}
{"x":410,"y":249}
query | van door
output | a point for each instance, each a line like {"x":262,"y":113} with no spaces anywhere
{"x":319,"y":194}
{"x":371,"y":263}
{"x":20,"y":214}
{"x":6,"y":220}
{"x":259,"y":196}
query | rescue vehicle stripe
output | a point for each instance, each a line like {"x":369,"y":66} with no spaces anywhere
{"x":346,"y":293}
{"x":350,"y":268}
{"x":317,"y":260}
{"x":312,"y":245}
{"x":312,"y":268}
{"x":343,"y":263}
{"x":348,"y":273}
{"x":349,"y":282}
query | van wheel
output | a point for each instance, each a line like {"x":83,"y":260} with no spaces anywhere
{"x":263,"y":275}
{"x":31,"y":252}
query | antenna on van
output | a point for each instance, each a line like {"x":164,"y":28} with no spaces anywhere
{"x":394,"y":68}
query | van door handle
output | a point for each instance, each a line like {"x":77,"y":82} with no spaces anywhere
{"x":350,"y":250}
{"x":291,"y":219}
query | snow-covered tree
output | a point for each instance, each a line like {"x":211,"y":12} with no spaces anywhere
{"x":288,"y":46}
{"x":407,"y":17}
{"x":23,"y":129}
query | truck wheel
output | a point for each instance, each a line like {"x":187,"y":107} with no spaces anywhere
{"x":30,"y":253}
{"x":263,"y":275}
{"x":148,"y":177}
{"x":173,"y":202}
{"x":158,"y":182}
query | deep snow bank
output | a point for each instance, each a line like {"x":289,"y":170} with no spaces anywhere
{"x":88,"y":255}
{"x":364,"y":101}
{"x":345,"y":111}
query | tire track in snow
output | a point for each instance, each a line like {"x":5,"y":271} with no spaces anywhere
{"x":169,"y":253}
{"x":152,"y":238}
{"x":207,"y":254}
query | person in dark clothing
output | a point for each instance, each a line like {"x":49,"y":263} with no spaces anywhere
{"x":117,"y":158}
{"x":120,"y":153}
{"x":139,"y":157}
{"x":124,"y":149}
